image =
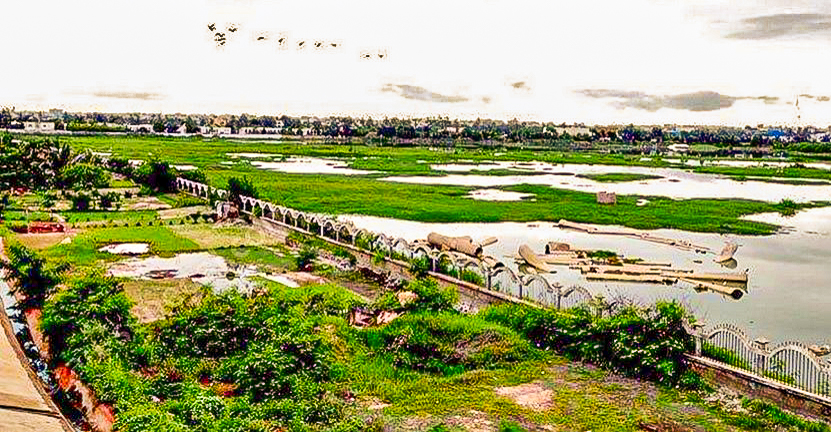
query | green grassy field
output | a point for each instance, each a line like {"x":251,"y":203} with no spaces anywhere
{"x":433,"y":203}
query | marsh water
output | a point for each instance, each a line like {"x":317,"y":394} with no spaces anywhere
{"x":789,"y":289}
{"x":673,"y":183}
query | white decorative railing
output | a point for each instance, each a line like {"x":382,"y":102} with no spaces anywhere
{"x":490,"y":274}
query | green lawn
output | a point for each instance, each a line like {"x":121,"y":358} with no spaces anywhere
{"x":83,"y":250}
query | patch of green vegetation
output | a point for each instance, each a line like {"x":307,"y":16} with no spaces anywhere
{"x":74,"y":217}
{"x":267,"y":259}
{"x":619,"y":177}
{"x":83,"y":250}
{"x":368,"y":195}
{"x":794,"y":172}
{"x":794,"y":182}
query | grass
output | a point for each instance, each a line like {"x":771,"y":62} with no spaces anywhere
{"x":153,"y":298}
{"x":271,"y":259}
{"x":434,"y":203}
{"x":74,"y":217}
{"x":208,"y":236}
{"x":619,"y":177}
{"x":83,"y":250}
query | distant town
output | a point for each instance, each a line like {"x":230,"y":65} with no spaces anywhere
{"x":762,"y":139}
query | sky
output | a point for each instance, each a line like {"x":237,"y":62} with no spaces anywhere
{"x":592,"y":61}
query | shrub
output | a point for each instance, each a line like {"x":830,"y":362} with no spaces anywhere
{"x":420,"y":267}
{"x":238,"y":188}
{"x":157,"y":175}
{"x":82,"y":176}
{"x":31,"y":275}
{"x":645,"y":342}
{"x":448,"y":343}
{"x":92,"y":311}
{"x":81,"y":201}
{"x":305,"y":258}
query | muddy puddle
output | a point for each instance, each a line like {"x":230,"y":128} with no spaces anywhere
{"x":203,"y":268}
{"x":126,"y":249}
{"x":789,"y":290}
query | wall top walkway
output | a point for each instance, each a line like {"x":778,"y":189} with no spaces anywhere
{"x":23,"y":405}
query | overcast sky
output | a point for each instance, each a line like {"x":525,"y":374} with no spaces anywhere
{"x":594,"y":61}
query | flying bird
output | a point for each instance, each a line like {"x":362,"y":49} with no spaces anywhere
{"x":232,"y":28}
{"x":212,"y":26}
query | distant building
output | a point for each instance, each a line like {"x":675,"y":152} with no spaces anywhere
{"x":139,"y":128}
{"x":679,"y":148}
{"x":33,"y":126}
{"x":214,"y":130}
{"x":260,"y":130}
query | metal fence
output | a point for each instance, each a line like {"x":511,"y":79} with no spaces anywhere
{"x":790,"y":363}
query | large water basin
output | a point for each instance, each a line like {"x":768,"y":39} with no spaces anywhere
{"x":789,"y":290}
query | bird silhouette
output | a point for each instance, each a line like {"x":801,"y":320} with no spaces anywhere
{"x":301,"y":44}
{"x":232,"y":28}
{"x":259,"y":38}
{"x":333,"y":45}
{"x":318,"y":44}
{"x":212,"y":26}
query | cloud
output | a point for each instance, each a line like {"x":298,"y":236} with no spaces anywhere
{"x":818,"y":98}
{"x":127,"y":95}
{"x":783,"y":25}
{"x":421,"y":93}
{"x":696,"y":102}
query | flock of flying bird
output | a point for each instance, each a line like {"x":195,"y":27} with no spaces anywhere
{"x":220,"y":37}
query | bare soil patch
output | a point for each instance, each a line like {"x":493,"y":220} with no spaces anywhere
{"x":533,"y":395}
{"x":43,"y":241}
{"x":153,"y":297}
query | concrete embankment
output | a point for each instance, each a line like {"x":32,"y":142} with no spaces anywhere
{"x":24,"y":404}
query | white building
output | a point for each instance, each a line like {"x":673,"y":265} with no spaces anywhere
{"x":33,"y":126}
{"x":260,"y":130}
{"x":140,"y":128}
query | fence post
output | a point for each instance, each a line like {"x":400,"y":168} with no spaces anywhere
{"x":762,"y":357}
{"x":698,"y":336}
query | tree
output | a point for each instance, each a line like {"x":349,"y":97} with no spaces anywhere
{"x":156,"y":175}
{"x":31,"y":275}
{"x":81,"y":176}
{"x":238,"y":188}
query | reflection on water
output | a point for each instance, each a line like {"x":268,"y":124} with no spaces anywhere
{"x":789,"y":291}
{"x":674,"y":183}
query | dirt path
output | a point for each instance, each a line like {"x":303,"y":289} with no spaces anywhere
{"x":24,"y":405}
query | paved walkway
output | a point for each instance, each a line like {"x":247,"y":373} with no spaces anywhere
{"x":24,"y":406}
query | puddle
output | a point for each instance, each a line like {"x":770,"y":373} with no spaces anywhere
{"x":252,"y":155}
{"x":203,"y":268}
{"x":306,"y":165}
{"x":787,"y":294}
{"x":185,"y":167}
{"x":126,"y":248}
{"x":498,"y":195}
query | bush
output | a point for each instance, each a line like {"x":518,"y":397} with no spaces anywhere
{"x":238,"y":188}
{"x":447,"y":343}
{"x":30,"y":275}
{"x":431,"y":298}
{"x":305,"y":258}
{"x":91,"y":312}
{"x":644,"y":342}
{"x":81,"y":201}
{"x":157,"y":175}
{"x":82,"y":176}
